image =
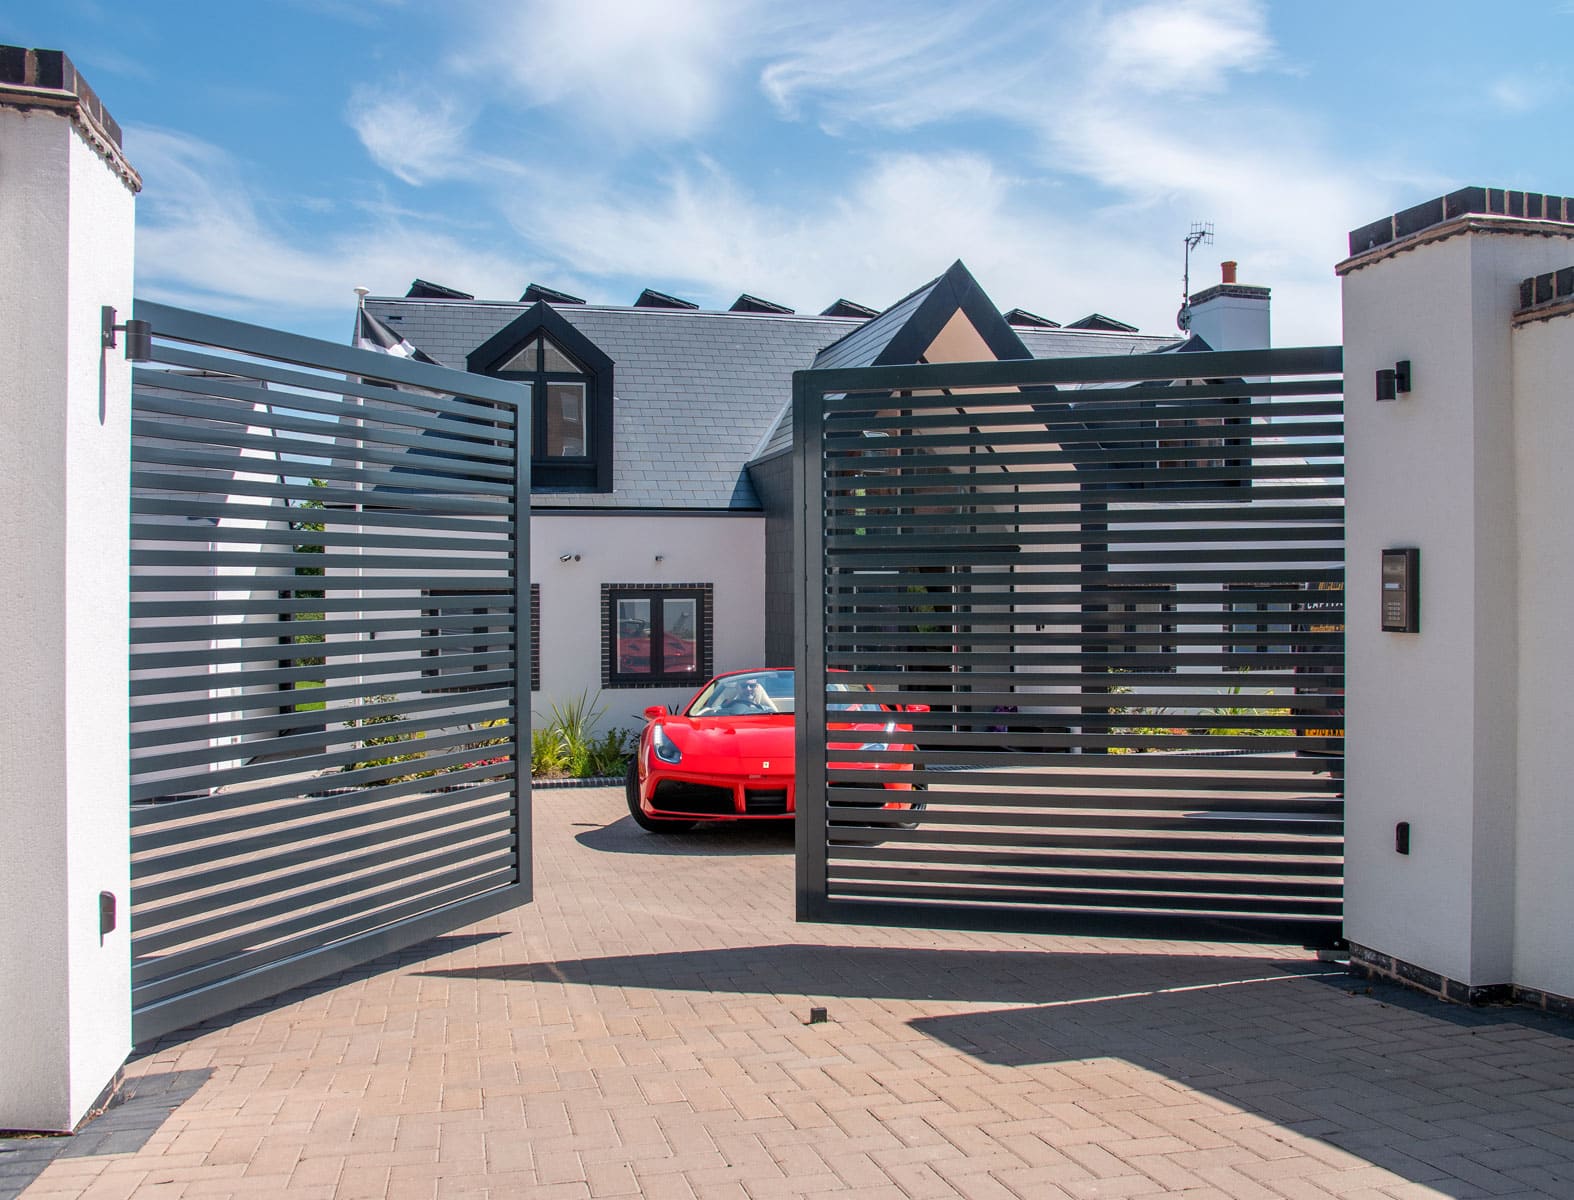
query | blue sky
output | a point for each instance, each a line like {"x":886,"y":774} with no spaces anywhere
{"x":293,"y":149}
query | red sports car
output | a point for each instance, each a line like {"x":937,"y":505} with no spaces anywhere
{"x":729,"y":755}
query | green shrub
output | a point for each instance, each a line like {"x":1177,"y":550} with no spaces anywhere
{"x":546,"y":753}
{"x":567,"y":743}
{"x":386,"y":740}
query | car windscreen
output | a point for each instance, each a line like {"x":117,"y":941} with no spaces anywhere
{"x":745,"y":693}
{"x":859,"y":704}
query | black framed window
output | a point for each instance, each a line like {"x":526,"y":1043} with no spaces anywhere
{"x":1252,"y":614}
{"x":1141,"y":618}
{"x":560,"y":406}
{"x":571,"y":390}
{"x":656,"y":634}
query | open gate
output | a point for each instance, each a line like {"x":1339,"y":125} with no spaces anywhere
{"x":329,"y":566}
{"x":1108,"y":592}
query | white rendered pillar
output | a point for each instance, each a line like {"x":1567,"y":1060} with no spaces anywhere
{"x":67,"y":198}
{"x":1432,"y":716}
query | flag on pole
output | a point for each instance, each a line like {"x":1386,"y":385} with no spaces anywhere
{"x":372,"y":334}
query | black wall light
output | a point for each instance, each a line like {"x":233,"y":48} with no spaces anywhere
{"x":139,"y":335}
{"x":1393,"y":383}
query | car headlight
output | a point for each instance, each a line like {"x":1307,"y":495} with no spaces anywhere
{"x":663,"y":747}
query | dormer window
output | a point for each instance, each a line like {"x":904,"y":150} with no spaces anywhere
{"x":571,"y":398}
{"x":561,"y":388}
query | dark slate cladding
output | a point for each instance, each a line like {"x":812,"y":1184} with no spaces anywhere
{"x":846,"y":308}
{"x":651,"y":298}
{"x":1102,"y":324}
{"x":860,"y":347}
{"x":696,"y":391}
{"x":536,"y":292}
{"x":1020,"y":317}
{"x":421,"y":289}
{"x":1554,"y":287}
{"x":52,"y":69}
{"x":903,"y":332}
{"x":773,"y":481}
{"x":701,"y":394}
{"x":1470,"y":201}
{"x":753,"y":304}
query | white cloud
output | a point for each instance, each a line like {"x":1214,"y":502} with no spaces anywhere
{"x":207,"y":237}
{"x":631,"y":69}
{"x":902,"y":222}
{"x":1184,"y":47}
{"x":416,"y":136}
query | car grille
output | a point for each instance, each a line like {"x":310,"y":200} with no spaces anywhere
{"x":674,"y":795}
{"x":766,"y":803}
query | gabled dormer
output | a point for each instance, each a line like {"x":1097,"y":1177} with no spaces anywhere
{"x":571,"y":388}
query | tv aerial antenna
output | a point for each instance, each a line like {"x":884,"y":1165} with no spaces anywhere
{"x":1201,"y":235}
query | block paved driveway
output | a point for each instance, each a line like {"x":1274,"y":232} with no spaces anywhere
{"x":641,"y":1030}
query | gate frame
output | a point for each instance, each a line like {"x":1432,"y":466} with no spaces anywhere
{"x":272,"y":978}
{"x":813,"y":903}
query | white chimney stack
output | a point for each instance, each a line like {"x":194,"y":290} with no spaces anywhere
{"x":1230,"y":315}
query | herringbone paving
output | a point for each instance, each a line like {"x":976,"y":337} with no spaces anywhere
{"x":641,"y":1030}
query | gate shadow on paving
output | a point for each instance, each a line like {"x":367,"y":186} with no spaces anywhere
{"x":1467,"y":1102}
{"x":887,"y":972}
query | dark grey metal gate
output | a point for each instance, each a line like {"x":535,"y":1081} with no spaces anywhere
{"x":1109,"y":592}
{"x":329,"y":566}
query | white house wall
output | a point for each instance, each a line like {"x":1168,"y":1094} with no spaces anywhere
{"x":727,"y":552}
{"x":1543,"y":449}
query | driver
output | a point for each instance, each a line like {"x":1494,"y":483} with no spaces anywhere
{"x":746,"y":696}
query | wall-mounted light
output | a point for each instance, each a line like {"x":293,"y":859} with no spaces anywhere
{"x":139,"y":335}
{"x":1393,"y":383}
{"x":568,"y":558}
{"x":660,"y":557}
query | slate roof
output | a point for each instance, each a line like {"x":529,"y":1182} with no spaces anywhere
{"x":699,"y":394}
{"x":696,"y":390}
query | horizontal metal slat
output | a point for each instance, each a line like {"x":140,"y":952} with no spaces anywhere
{"x":1124,"y":883}
{"x":424,"y":475}
{"x":157,"y":892}
{"x":306,"y":748}
{"x":471,"y":707}
{"x":1320,"y":870}
{"x":226,"y":402}
{"x":928,"y":835}
{"x":1135,"y":902}
{"x":187,"y":852}
{"x":151,"y":709}
{"x":427,"y":501}
{"x":151,"y":985}
{"x":398,"y":669}
{"x":144,"y":609}
{"x":224,"y":918}
{"x":199,"y":515}
{"x":171,"y":325}
{"x":498,"y":542}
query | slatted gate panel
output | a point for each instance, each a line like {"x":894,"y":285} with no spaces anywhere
{"x":328,"y":563}
{"x":1109,"y":595}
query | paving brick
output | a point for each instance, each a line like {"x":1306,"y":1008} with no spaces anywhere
{"x":638,"y":1030}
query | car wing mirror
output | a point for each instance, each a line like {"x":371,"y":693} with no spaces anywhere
{"x":656,"y":711}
